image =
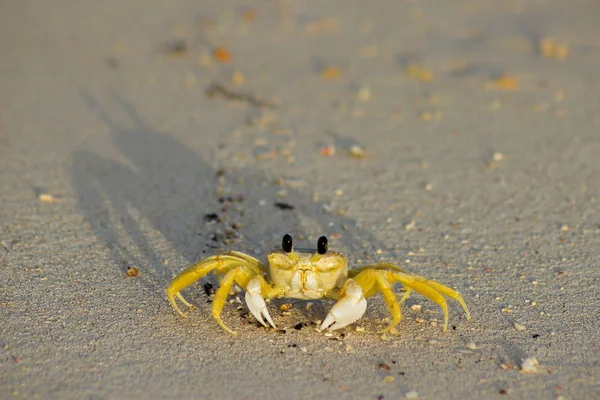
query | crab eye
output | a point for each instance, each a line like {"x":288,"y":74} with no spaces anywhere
{"x":322,"y":245}
{"x":286,"y":243}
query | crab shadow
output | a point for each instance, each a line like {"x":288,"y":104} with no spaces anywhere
{"x":158,"y":194}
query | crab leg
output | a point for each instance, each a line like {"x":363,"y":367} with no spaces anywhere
{"x":348,"y":309}
{"x":256,"y":303}
{"x":222,"y":263}
{"x":432,"y":290}
{"x":385,"y":275}
{"x":373,"y":281}
{"x":240,"y":275}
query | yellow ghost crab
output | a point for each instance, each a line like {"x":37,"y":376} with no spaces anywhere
{"x":309,"y":275}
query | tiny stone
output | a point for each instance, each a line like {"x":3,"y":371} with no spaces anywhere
{"x":471,"y":345}
{"x":433,"y":323}
{"x":46,"y":198}
{"x":498,"y":156}
{"x":415,"y":307}
{"x":357,"y":151}
{"x":363,"y":94}
{"x":389,"y":379}
{"x":420,"y":320}
{"x":328,"y":334}
{"x":519,"y":327}
{"x":360,"y":329}
{"x":529,"y":365}
{"x":237,"y":78}
{"x":412,"y":395}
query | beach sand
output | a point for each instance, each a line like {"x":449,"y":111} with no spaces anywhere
{"x":460,"y":141}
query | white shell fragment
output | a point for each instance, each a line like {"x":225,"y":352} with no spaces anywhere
{"x":528,"y":365}
{"x":519,"y":327}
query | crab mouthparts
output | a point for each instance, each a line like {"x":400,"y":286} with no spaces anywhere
{"x":305,"y":281}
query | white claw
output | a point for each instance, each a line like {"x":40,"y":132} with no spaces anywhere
{"x":348,"y":309}
{"x":256,"y":303}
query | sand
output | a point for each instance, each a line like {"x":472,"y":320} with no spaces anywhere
{"x":458,"y":140}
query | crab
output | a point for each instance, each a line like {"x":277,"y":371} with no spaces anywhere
{"x":309,"y":275}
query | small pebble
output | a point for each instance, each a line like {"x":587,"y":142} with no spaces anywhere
{"x":360,"y":329}
{"x":415,"y":307}
{"x":389,"y":379}
{"x":471,"y":345}
{"x":328,"y":151}
{"x":47,"y":198}
{"x":357,"y":151}
{"x":237,"y":78}
{"x":412,"y":395}
{"x":363,"y":94}
{"x":498,"y":156}
{"x":528,"y":365}
{"x":519,"y":327}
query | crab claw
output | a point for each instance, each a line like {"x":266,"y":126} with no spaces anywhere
{"x":348,"y":309}
{"x":256,"y":303}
